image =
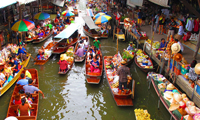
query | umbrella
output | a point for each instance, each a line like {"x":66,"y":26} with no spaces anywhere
{"x":42,"y":16}
{"x":98,"y":14}
{"x":67,"y":13}
{"x":102,"y":19}
{"x":22,"y":25}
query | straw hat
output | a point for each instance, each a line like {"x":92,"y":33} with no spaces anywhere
{"x":123,"y":62}
{"x":178,"y":57}
{"x":11,"y":118}
{"x":175,"y":48}
{"x":177,"y":97}
{"x":170,"y":86}
{"x":173,"y":106}
{"x":62,"y":57}
{"x":192,"y":110}
{"x":168,"y":95}
{"x":195,"y":117}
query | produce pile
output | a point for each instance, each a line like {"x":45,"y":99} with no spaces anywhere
{"x":47,"y":53}
{"x":143,"y":59}
{"x":177,"y":101}
{"x":142,"y":114}
{"x":155,"y":44}
{"x":128,"y":55}
{"x":69,"y":55}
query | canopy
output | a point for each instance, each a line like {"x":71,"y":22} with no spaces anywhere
{"x":24,"y":1}
{"x":133,"y":3}
{"x":163,"y":3}
{"x":67,"y":32}
{"x":7,"y":3}
{"x":90,"y":23}
{"x":58,"y":2}
{"x":89,"y":12}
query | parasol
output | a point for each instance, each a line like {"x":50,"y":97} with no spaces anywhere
{"x":42,"y":16}
{"x":102,"y":19}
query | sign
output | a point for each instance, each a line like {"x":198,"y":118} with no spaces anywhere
{"x":133,"y":3}
{"x":163,"y":3}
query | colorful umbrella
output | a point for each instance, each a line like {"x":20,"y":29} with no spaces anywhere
{"x":67,"y":13}
{"x":98,"y":14}
{"x":102,"y":19}
{"x":22,"y":25}
{"x":41,"y":16}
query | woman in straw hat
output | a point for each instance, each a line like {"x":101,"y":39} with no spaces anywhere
{"x":123,"y":72}
{"x":182,"y":48}
{"x":63,"y":64}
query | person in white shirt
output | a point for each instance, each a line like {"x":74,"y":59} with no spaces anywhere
{"x":182,"y":48}
{"x":180,"y":31}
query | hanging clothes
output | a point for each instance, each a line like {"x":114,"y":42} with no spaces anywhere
{"x":196,"y":26}
{"x":190,"y":25}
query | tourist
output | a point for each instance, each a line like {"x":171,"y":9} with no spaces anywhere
{"x":90,"y":57}
{"x":17,"y":99}
{"x":56,"y":21}
{"x":22,"y":53}
{"x":23,"y":108}
{"x":80,"y":52}
{"x":123,"y":72}
{"x":94,"y":65}
{"x":90,"y":53}
{"x":7,"y":71}
{"x":29,"y":98}
{"x":23,"y":80}
{"x":156,"y":22}
{"x":192,"y":75}
{"x":63,"y":64}
{"x":161,"y":24}
{"x":2,"y":78}
{"x":55,"y":31}
{"x":31,"y":89}
{"x":130,"y":47}
{"x":58,"y":14}
{"x":139,"y":14}
{"x":172,"y":28}
{"x":180,"y":31}
{"x":86,"y":43}
{"x":97,"y":43}
{"x":163,"y":44}
{"x":16,"y":65}
{"x":182,"y":48}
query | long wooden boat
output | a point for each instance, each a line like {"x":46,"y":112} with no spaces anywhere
{"x":62,"y":46}
{"x":9,"y":84}
{"x":27,"y":40}
{"x":93,"y":33}
{"x":77,"y":58}
{"x":93,"y":78}
{"x":162,"y":99}
{"x":69,"y":62}
{"x":142,"y":67}
{"x":44,"y":38}
{"x":12,"y":109}
{"x":48,"y":48}
{"x":129,"y":62}
{"x":120,"y":99}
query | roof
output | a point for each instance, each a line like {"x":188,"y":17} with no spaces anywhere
{"x":90,"y":23}
{"x":67,"y":32}
{"x":7,"y":3}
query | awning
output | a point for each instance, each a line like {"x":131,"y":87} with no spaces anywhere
{"x":67,"y":32}
{"x":89,"y":12}
{"x":133,"y":3}
{"x":90,"y":23}
{"x":163,"y":3}
{"x":25,"y":1}
{"x":58,"y":2}
{"x":6,"y":3}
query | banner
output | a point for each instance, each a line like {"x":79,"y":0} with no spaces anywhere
{"x":133,"y":3}
{"x":163,"y":3}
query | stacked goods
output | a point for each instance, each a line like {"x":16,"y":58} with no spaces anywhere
{"x":185,"y":69}
{"x":156,"y":45}
{"x":127,"y":55}
{"x":47,"y":53}
{"x":69,"y":55}
{"x":143,"y":59}
{"x":178,"y":102}
{"x":170,"y":44}
{"x":142,"y":114}
{"x":148,"y":41}
{"x":143,"y":33}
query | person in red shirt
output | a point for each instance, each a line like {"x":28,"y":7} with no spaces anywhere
{"x":63,"y":64}
{"x":196,"y":26}
{"x":17,"y":100}
{"x":56,"y":21}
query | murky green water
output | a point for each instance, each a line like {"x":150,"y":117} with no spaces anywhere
{"x":70,"y":97}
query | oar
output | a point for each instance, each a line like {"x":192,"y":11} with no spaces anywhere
{"x":29,"y":54}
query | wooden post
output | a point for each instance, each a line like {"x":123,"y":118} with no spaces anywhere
{"x":114,"y":33}
{"x":152,"y":43}
{"x":197,"y":48}
{"x":117,"y":40}
{"x":41,"y":4}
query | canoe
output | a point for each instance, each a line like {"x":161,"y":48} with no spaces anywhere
{"x":27,"y":40}
{"x":93,"y":78}
{"x":142,"y":67}
{"x":48,"y":48}
{"x":9,"y":84}
{"x":12,"y":109}
{"x":62,"y":46}
{"x":162,"y":99}
{"x":93,"y":33}
{"x":120,"y":99}
{"x":70,"y":63}
{"x":44,"y":38}
{"x":80,"y":59}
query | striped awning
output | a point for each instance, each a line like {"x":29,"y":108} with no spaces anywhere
{"x":89,"y":12}
{"x":6,"y":3}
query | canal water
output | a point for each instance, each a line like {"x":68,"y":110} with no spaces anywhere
{"x":70,"y":97}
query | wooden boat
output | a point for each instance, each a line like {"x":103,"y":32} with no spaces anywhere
{"x":130,"y":61}
{"x":93,"y":78}
{"x":120,"y":99}
{"x":48,"y":48}
{"x":69,"y":62}
{"x":12,"y":109}
{"x":80,"y":59}
{"x":9,"y":84}
{"x":44,"y":38}
{"x":90,"y":28}
{"x":162,"y":99}
{"x":27,"y":40}
{"x":143,"y":67}
{"x":62,"y":46}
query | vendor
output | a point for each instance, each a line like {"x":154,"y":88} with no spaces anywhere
{"x":63,"y":64}
{"x":182,"y":48}
{"x":123,"y":72}
{"x":163,"y":44}
{"x":192,"y":75}
{"x":130,"y":47}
